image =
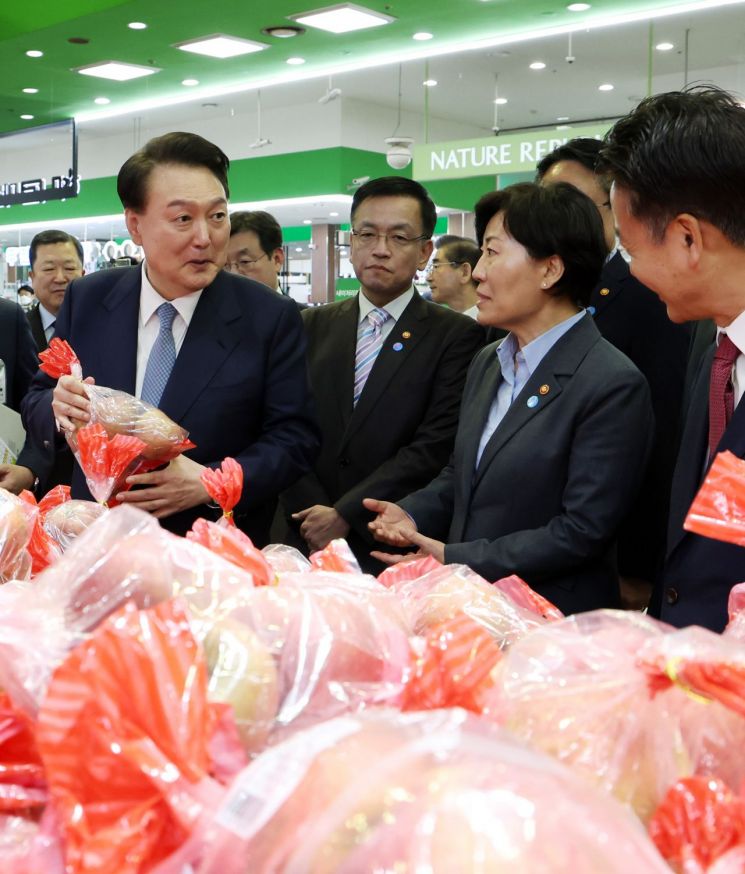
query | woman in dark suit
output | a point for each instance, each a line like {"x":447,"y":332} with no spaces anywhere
{"x":555,"y":425}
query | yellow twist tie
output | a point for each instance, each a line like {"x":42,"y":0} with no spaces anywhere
{"x":671,"y":672}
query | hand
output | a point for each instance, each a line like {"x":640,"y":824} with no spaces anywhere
{"x":391,"y":525}
{"x":427,"y":546}
{"x":320,"y":525}
{"x":70,"y":403}
{"x":176,"y":487}
{"x":15,"y":478}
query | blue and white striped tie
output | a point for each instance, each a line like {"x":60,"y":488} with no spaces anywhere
{"x":369,"y":344}
{"x":162,"y":356}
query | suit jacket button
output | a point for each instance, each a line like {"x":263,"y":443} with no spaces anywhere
{"x":671,"y":596}
{"x":343,"y":462}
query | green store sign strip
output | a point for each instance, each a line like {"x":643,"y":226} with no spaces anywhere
{"x":508,"y":153}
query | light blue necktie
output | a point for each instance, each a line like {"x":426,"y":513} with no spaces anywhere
{"x":162,"y":356}
{"x":369,"y":344}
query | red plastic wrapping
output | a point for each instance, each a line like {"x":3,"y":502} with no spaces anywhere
{"x":699,"y":822}
{"x":234,"y":546}
{"x":17,"y":521}
{"x":455,"y":667}
{"x":335,"y":557}
{"x":106,"y":461}
{"x":408,"y":570}
{"x":453,"y":590}
{"x":58,"y":359}
{"x":123,"y":733}
{"x":440,"y":792}
{"x":596,"y":691}
{"x":41,"y":547}
{"x":22,"y":782}
{"x":30,"y":847}
{"x":718,"y":510}
{"x":224,"y":486}
{"x":521,"y":594}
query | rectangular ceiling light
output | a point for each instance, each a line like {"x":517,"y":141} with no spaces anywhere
{"x":116,"y":70}
{"x":221,"y":46}
{"x":342,"y":18}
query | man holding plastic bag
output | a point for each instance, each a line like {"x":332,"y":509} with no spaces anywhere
{"x":218,"y":354}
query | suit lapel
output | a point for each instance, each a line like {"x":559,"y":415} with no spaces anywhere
{"x":395,"y":351}
{"x":212,"y":335}
{"x":342,"y":337}
{"x":545,"y":385}
{"x":610,"y":287}
{"x":118,"y":336}
{"x":37,"y":329}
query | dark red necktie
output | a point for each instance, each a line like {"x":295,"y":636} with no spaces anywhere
{"x":721,"y":392}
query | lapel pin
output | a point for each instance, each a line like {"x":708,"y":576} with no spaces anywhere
{"x":532,"y":401}
{"x":544,"y":389}
{"x":591,"y":310}
{"x":406,"y":335}
{"x":604,"y":292}
{"x":397,"y":347}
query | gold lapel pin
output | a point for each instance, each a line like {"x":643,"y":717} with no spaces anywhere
{"x":406,"y":335}
{"x":544,"y":389}
{"x":604,"y":292}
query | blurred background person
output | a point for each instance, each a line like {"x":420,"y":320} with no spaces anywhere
{"x":556,"y":424}
{"x":449,"y":274}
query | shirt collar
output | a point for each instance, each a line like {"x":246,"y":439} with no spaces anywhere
{"x":536,"y":350}
{"x":735,"y":331}
{"x":47,"y":318}
{"x":394,"y":308}
{"x":150,"y":300}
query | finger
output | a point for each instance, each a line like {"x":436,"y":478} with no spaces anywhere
{"x":152,"y":479}
{"x":388,"y":557}
{"x":374,"y":505}
{"x":301,"y":514}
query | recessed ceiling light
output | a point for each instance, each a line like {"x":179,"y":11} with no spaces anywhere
{"x":664,"y":46}
{"x":333,"y":213}
{"x":295,"y":62}
{"x":137,"y":25}
{"x":284,"y":31}
{"x":563,"y":127}
{"x":35,"y":53}
{"x":116,"y":70}
{"x":26,"y":117}
{"x":307,"y":221}
{"x":422,"y":36}
{"x":190,"y":83}
{"x":579,"y":7}
{"x":500,"y":101}
{"x":537,"y":65}
{"x":343,"y":18}
{"x":102,"y":101}
{"x":562,"y":118}
{"x":298,"y":248}
{"x":218,"y":45}
{"x":30,"y":90}
{"x":430,"y":83}
{"x":606,"y":86}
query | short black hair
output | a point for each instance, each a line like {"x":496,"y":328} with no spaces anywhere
{"x":264,"y":225}
{"x":177,"y":147}
{"x":51,"y":238}
{"x":682,"y":152}
{"x":399,"y":186}
{"x":459,"y":249}
{"x":581,"y":150}
{"x":555,"y":220}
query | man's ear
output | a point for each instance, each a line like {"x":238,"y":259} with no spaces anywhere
{"x":687,"y":237}
{"x":278,"y":257}
{"x":132,"y":221}
{"x":426,"y":252}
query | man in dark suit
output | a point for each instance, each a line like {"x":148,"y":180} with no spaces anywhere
{"x":56,"y":258}
{"x":221,"y":355}
{"x":18,"y":364}
{"x":387,"y":369}
{"x":678,"y":199}
{"x":634,"y":320}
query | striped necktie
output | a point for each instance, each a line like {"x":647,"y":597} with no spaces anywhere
{"x":162,"y":357}
{"x":721,"y":391}
{"x":369,"y":343}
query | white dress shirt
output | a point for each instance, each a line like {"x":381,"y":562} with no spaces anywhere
{"x":47,"y":322}
{"x":148,"y":325}
{"x":394,"y":309}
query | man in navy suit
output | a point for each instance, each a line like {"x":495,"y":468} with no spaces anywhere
{"x":238,"y":384}
{"x":678,"y":198}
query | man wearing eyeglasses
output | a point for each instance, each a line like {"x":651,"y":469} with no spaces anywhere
{"x":634,"y":319}
{"x":449,"y":274}
{"x":255,"y":247}
{"x":387,"y":369}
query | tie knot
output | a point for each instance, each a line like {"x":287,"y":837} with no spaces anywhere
{"x":377,"y":317}
{"x":726,"y":350}
{"x":166,"y":313}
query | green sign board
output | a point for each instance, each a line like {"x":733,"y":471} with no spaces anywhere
{"x":508,"y":153}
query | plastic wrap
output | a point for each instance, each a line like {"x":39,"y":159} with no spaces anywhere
{"x":408,"y":570}
{"x":30,"y":847}
{"x":438,"y":792}
{"x":106,"y":460}
{"x":224,"y":486}
{"x":452,"y":590}
{"x":65,"y":522}
{"x":17,"y":520}
{"x":22,"y":783}
{"x":596,"y":691}
{"x":41,"y":547}
{"x":234,"y":546}
{"x":335,"y":557}
{"x":700,"y":822}
{"x":520,"y":593}
{"x":285,"y":559}
{"x":339,"y":643}
{"x":718,"y":510}
{"x":124,"y":734}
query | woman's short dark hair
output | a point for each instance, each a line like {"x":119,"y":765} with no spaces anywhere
{"x":682,"y":152}
{"x":555,"y":220}
{"x":173,"y":148}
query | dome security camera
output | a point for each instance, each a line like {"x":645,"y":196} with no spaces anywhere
{"x":398,"y":154}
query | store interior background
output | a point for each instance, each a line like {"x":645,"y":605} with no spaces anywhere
{"x":327,"y":127}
